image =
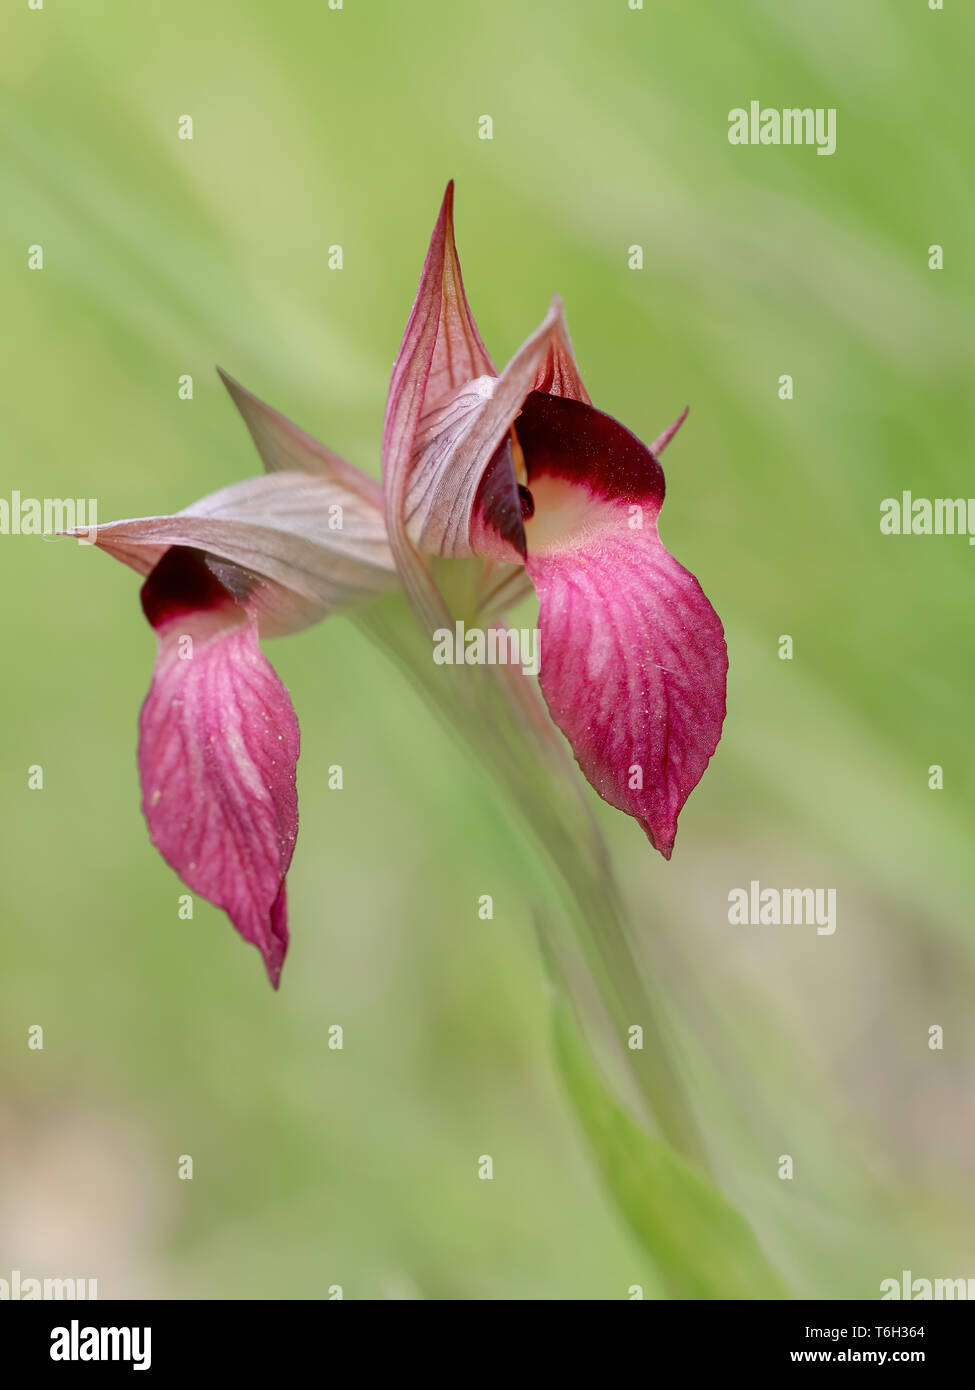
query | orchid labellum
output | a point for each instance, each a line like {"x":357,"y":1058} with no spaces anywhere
{"x":515,"y":472}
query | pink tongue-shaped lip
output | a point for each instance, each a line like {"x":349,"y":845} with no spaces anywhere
{"x":218,"y":743}
{"x":633,"y":658}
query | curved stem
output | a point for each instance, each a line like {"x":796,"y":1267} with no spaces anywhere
{"x":499,"y":717}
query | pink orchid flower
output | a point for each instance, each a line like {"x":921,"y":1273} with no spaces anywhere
{"x":521,"y":470}
{"x":218,"y":737}
{"x":517,"y":472}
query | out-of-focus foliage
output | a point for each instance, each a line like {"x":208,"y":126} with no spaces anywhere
{"x":315,"y":128}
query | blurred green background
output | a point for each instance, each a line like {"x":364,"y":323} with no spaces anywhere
{"x":165,"y":256}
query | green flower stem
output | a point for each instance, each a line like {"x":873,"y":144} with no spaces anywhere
{"x":495,"y":714}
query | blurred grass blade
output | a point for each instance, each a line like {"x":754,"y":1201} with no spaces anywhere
{"x":698,"y":1242}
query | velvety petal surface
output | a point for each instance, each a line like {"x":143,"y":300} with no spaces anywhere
{"x":218,"y":744}
{"x":633,"y":656}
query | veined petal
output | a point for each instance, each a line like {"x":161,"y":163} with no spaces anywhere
{"x":558,"y":374}
{"x":441,"y":349}
{"x":633,"y":656}
{"x":284,"y":447}
{"x":463,"y":495}
{"x":218,"y":744}
{"x":303,"y":546}
{"x":447,"y":419}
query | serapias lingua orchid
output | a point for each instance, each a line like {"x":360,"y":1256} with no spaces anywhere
{"x":518,"y":471}
{"x":218,"y":737}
